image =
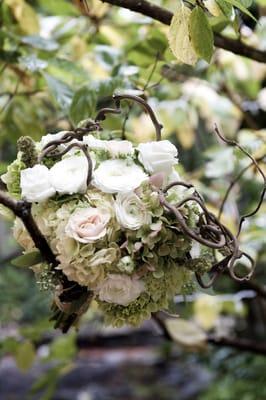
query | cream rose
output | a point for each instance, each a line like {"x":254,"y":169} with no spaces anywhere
{"x":157,"y":156}
{"x":86,"y":225}
{"x":36,"y":184}
{"x":120,"y":289}
{"x":130,"y":211}
{"x":69,"y":175}
{"x":113,"y":176}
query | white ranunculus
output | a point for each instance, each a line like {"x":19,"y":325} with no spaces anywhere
{"x":120,"y":289}
{"x":114,"y":176}
{"x":69,"y":175}
{"x":50,"y":137}
{"x":157,"y":156}
{"x":94,"y":143}
{"x":36,"y":184}
{"x":114,"y":147}
{"x":86,"y":225}
{"x":130,"y":211}
{"x":119,"y":147}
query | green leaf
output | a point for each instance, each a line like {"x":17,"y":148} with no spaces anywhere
{"x":64,"y":347}
{"x":58,"y":7}
{"x":238,"y":4}
{"x":25,"y":356}
{"x":40,"y":43}
{"x":179,"y":38}
{"x":226,"y":8}
{"x":246,"y":3}
{"x":61,"y":91}
{"x":9,"y":56}
{"x":28,"y":260}
{"x":201,"y":34}
{"x":186,"y":333}
{"x":83,"y":104}
{"x":25,"y":15}
{"x":218,"y":23}
{"x":32,"y":63}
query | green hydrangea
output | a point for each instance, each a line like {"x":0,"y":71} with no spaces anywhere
{"x":12,"y":177}
{"x":159,"y":291}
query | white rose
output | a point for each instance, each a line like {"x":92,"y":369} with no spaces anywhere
{"x":157,"y":156}
{"x":120,"y":289}
{"x":86,"y":225}
{"x":130,"y":211}
{"x":113,"y":176}
{"x":69,"y":175}
{"x":36,"y":184}
{"x":119,"y":147}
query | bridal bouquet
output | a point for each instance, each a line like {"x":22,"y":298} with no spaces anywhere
{"x":117,"y":219}
{"x":111,"y":235}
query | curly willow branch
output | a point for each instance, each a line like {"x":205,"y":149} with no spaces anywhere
{"x":256,"y":165}
{"x":118,"y":98}
{"x":209,"y":232}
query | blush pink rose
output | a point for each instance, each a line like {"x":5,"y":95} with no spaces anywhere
{"x":86,"y":225}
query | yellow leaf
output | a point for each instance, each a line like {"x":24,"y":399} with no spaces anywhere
{"x":25,"y":16}
{"x":186,"y":135}
{"x":25,"y":356}
{"x":186,"y":333}
{"x":179,"y":38}
{"x":213,"y":8}
{"x":93,"y":8}
{"x":207,"y":309}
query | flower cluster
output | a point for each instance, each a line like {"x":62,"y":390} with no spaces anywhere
{"x":111,"y":235}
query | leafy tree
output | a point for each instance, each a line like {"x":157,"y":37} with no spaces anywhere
{"x":199,"y":63}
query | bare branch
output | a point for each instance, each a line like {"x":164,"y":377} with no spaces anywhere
{"x":22,"y":209}
{"x":162,"y":15}
{"x":236,"y":343}
{"x":255,"y":163}
{"x":239,"y":344}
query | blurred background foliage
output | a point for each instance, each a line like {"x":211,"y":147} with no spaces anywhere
{"x":59,"y":62}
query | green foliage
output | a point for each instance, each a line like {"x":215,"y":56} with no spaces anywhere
{"x":201,"y":34}
{"x":61,"y":91}
{"x":28,"y":259}
{"x":241,"y":5}
{"x":50,"y":82}
{"x":25,"y":356}
{"x":237,"y":376}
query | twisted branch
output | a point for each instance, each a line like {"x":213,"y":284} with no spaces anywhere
{"x":22,"y":209}
{"x":255,"y":163}
{"x":162,"y":15}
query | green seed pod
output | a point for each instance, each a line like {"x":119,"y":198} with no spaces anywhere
{"x":28,"y":151}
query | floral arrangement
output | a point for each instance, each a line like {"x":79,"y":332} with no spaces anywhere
{"x":118,"y":220}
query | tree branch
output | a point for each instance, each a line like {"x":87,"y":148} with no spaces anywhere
{"x":22,"y":209}
{"x":239,"y":344}
{"x":162,"y":15}
{"x":236,"y":343}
